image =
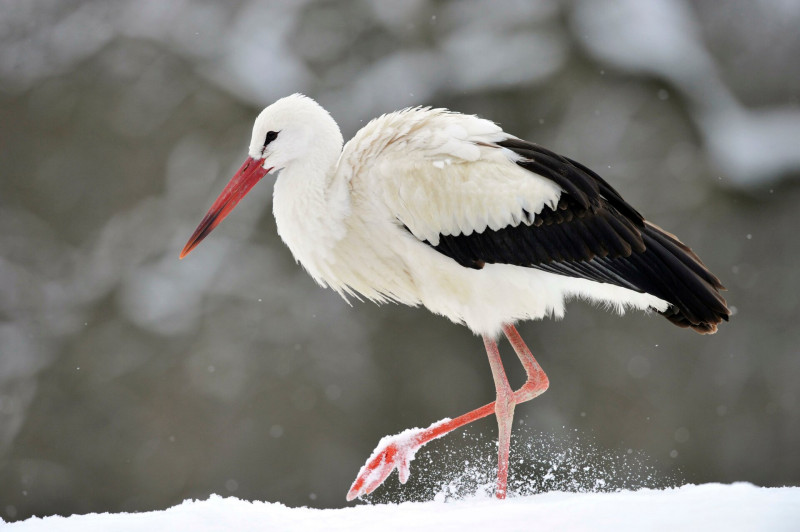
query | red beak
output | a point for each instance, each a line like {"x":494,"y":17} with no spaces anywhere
{"x":240,"y":184}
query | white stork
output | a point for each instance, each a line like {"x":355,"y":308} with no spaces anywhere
{"x":430,"y":207}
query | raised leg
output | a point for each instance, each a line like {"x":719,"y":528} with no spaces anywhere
{"x":537,"y":381}
{"x":398,"y":451}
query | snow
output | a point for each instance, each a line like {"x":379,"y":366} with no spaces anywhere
{"x":739,"y":506}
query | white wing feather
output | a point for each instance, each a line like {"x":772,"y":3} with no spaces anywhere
{"x":440,"y":173}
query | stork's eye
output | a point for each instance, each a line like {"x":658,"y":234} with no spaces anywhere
{"x":272,"y":135}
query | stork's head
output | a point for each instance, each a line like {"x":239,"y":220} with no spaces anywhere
{"x":293,"y":131}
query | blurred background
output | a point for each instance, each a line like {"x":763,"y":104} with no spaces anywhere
{"x":131,"y":381}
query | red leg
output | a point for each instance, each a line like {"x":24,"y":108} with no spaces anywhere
{"x":398,"y":451}
{"x":537,"y":382}
{"x":504,"y":410}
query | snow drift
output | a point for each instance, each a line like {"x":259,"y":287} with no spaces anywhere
{"x":733,"y":507}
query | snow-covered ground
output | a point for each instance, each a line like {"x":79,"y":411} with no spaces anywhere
{"x":739,"y":506}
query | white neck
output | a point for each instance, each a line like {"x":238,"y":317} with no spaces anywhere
{"x":310,"y":207}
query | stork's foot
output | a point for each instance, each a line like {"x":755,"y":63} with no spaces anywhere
{"x":397,"y":452}
{"x":392,"y":452}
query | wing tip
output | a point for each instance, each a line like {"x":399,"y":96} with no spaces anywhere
{"x":708,"y":325}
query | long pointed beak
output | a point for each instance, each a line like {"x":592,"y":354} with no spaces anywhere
{"x":240,"y":184}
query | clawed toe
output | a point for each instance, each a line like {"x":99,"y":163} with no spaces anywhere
{"x":392,"y":452}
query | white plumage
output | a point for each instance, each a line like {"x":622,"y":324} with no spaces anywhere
{"x":430,"y":207}
{"x":434,"y":172}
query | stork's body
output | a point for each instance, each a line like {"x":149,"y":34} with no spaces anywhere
{"x":428,"y":207}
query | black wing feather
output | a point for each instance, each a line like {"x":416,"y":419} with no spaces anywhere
{"x":594,"y":234}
